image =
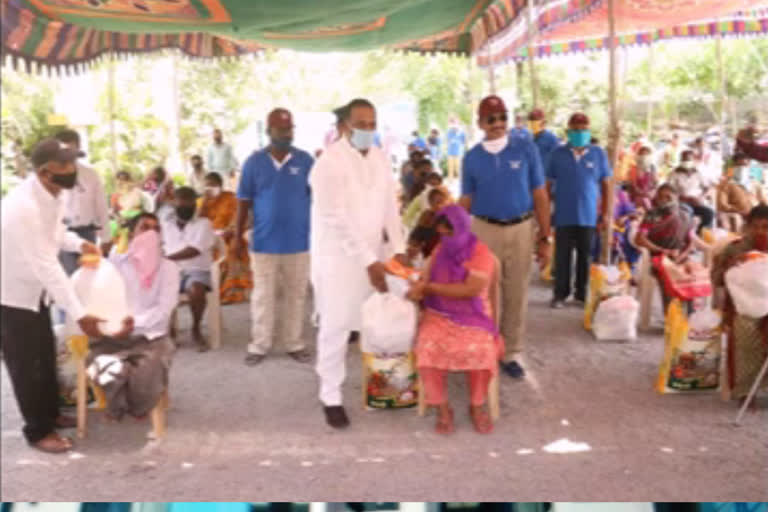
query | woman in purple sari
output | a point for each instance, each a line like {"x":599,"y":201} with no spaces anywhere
{"x":456,"y":331}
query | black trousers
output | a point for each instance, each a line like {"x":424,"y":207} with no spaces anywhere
{"x":705,"y":214}
{"x":567,"y":240}
{"x":29,"y":351}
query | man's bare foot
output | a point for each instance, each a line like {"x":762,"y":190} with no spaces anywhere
{"x":200,"y":341}
{"x":54,"y":443}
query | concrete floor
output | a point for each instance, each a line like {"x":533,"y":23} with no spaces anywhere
{"x":257,"y":434}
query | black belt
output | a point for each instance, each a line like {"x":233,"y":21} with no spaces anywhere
{"x":506,"y":222}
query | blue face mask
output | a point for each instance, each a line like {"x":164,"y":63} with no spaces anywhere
{"x":362,"y":139}
{"x":579,"y":138}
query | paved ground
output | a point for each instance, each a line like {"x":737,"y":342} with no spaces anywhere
{"x":257,"y":434}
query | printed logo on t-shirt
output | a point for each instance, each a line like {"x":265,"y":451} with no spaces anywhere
{"x":294,"y":170}
{"x":590,"y":165}
{"x":514,"y":164}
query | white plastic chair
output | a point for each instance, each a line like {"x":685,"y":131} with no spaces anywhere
{"x":493,"y":387}
{"x":213,"y":308}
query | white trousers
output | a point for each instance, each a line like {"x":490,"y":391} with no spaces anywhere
{"x":332,"y":343}
{"x":280,"y":285}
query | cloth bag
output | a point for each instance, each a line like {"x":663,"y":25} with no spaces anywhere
{"x":616,"y":318}
{"x":692,"y":351}
{"x":101,"y":291}
{"x":747,"y":285}
{"x":605,"y":281}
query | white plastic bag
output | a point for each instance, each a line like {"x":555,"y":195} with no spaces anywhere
{"x":389,"y":320}
{"x":616,"y":319}
{"x":748,"y":286}
{"x":102,"y":293}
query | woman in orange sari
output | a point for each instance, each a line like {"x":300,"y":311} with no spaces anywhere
{"x":220,"y":207}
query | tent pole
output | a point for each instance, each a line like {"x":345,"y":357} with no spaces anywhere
{"x":649,"y":80}
{"x":177,"y":151}
{"x":721,"y":83}
{"x":531,"y":64}
{"x":491,"y":70}
{"x":111,"y":106}
{"x":613,"y":131}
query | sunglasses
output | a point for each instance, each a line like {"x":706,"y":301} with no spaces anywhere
{"x":501,"y":117}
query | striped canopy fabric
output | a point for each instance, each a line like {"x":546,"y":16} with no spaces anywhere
{"x":562,"y":28}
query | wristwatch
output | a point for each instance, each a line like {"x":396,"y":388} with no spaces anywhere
{"x":545,"y":239}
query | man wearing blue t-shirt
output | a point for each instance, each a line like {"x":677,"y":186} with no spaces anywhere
{"x":275,"y":185}
{"x":545,"y":140}
{"x":456,"y":142}
{"x":519,"y":130}
{"x":418,"y":141}
{"x":502,"y":186}
{"x":581,"y":174}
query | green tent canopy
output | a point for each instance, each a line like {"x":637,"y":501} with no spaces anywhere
{"x":64,"y":33}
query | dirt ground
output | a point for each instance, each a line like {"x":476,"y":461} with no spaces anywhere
{"x":257,"y":434}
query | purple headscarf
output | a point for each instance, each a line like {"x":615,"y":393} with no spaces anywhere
{"x":448,"y":267}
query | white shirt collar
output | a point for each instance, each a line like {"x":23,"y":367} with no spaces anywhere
{"x":496,"y":146}
{"x":279,"y":164}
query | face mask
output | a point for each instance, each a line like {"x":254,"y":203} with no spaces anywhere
{"x":185,"y":212}
{"x":688,"y":165}
{"x":579,"y":138}
{"x":214,"y":191}
{"x":667,"y":206}
{"x":66,"y":181}
{"x":741,"y":175}
{"x":495,"y":146}
{"x":535,"y":126}
{"x":644,"y":160}
{"x":281,"y":143}
{"x":362,"y":139}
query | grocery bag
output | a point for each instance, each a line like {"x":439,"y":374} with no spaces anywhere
{"x":101,"y":291}
{"x":616,"y":318}
{"x":747,"y":284}
{"x":692,"y":351}
{"x":391,"y":380}
{"x":389,"y":320}
{"x":605,"y":281}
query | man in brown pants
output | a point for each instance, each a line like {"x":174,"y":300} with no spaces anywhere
{"x":503,"y":187}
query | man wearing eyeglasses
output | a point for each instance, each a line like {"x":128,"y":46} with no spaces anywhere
{"x":503,"y":187}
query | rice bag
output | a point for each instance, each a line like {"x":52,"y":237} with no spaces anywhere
{"x":391,"y":380}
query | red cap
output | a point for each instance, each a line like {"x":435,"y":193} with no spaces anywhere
{"x":280,"y":118}
{"x":491,"y":105}
{"x":536,"y":115}
{"x":579,"y":118}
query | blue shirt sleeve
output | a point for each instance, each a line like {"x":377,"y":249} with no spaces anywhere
{"x":245,"y":189}
{"x":535,"y":170}
{"x":467,"y":180}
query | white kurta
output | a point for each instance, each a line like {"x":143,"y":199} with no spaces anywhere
{"x":353,"y":204}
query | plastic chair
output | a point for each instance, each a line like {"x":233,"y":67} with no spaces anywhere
{"x":493,"y":387}
{"x":213,"y":297}
{"x":79,"y":346}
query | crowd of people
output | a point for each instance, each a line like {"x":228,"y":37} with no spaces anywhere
{"x":341,"y":222}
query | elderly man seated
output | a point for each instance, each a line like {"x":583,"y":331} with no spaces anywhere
{"x":138,"y":358}
{"x":189,"y":240}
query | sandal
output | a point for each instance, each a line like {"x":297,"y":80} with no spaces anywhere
{"x":481,"y":420}
{"x":445,"y":425}
{"x":54,"y":443}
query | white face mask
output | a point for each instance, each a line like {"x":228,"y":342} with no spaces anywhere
{"x":214,"y":191}
{"x":644,"y":160}
{"x":741,"y":175}
{"x":689,"y":164}
{"x":495,"y":146}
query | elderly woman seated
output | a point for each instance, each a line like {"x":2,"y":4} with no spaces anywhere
{"x":143,"y":348}
{"x":457,"y":332}
{"x":747,"y":337}
{"x":666,"y":231}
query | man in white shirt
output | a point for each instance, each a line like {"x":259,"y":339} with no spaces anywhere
{"x":221,"y":159}
{"x":151,"y":285}
{"x":188,"y":240}
{"x":86,"y":210}
{"x":353,"y":215}
{"x":196,"y":177}
{"x":692,"y":189}
{"x":33,"y":233}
